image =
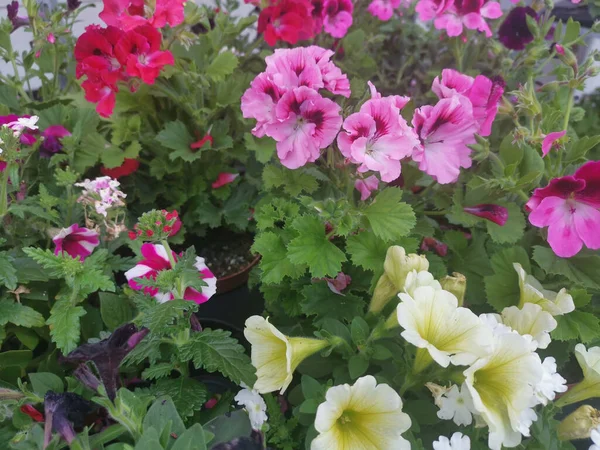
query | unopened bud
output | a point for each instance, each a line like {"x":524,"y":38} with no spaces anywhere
{"x":567,"y":57}
{"x":384,"y":291}
{"x":579,"y":424}
{"x":397,"y":265}
{"x":455,"y":284}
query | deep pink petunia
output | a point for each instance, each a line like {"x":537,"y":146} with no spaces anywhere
{"x":383,"y":9}
{"x":550,"y":141}
{"x":339,"y":283}
{"x":337,"y":17}
{"x":445,"y":130}
{"x":366,"y":186}
{"x":76,"y":241}
{"x":51,"y":143}
{"x":305,"y":123}
{"x":568,"y":206}
{"x":494,"y":213}
{"x":155,"y":260}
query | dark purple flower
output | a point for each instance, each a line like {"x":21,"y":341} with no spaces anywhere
{"x":51,"y":143}
{"x":61,"y":412}
{"x":514,"y":32}
{"x":107,"y":356}
{"x":13,"y":10}
{"x":494,"y":213}
{"x":73,"y":4}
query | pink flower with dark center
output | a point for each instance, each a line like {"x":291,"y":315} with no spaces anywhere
{"x":494,"y":213}
{"x":470,"y":14}
{"x":76,"y":241}
{"x":259,"y":101}
{"x":339,"y":283}
{"x":484,"y":94}
{"x":445,"y":131}
{"x":551,"y":141}
{"x":224,"y":178}
{"x":568,"y":206}
{"x":337,"y":17}
{"x":366,"y":186}
{"x":305,"y":123}
{"x":383,"y":9}
{"x":155,"y":260}
{"x":430,"y":9}
{"x":377,"y":137}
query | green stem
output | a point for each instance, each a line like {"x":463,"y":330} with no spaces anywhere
{"x":457,"y":50}
{"x":522,"y":195}
{"x":435,"y":213}
{"x":4,"y":193}
{"x":565,"y":127}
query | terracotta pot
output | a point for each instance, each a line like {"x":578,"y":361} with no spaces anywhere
{"x":235,"y":280}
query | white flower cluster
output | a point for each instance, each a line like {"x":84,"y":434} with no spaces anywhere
{"x":21,"y":123}
{"x":103,"y":193}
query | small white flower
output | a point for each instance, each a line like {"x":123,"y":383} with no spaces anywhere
{"x":456,"y":404}
{"x":23,"y":122}
{"x":595,"y":435}
{"x":254,"y":405}
{"x":530,"y":320}
{"x":551,"y":382}
{"x":457,"y":442}
{"x":416,"y":279}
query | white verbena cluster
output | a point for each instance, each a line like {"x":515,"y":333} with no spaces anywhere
{"x":103,"y":193}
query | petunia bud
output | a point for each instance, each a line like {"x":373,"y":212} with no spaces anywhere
{"x":494,"y":213}
{"x":384,"y":291}
{"x":455,"y":284}
{"x":579,"y":424}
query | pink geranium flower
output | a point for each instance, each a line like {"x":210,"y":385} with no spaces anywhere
{"x":470,"y":14}
{"x":484,"y":94}
{"x":155,"y":260}
{"x":305,"y":123}
{"x":430,"y":9}
{"x":445,"y":131}
{"x":129,"y":14}
{"x":568,"y":206}
{"x":259,"y":101}
{"x":550,"y":141}
{"x":76,"y":241}
{"x":383,"y":9}
{"x":224,"y":178}
{"x":337,"y":17}
{"x":377,"y":137}
{"x":339,"y":283}
{"x":366,"y":186}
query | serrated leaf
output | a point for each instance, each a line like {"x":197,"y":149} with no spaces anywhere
{"x":313,"y":248}
{"x":581,"y":269}
{"x":115,"y":310}
{"x":64,"y":325}
{"x":19,"y":314}
{"x":293,"y":181}
{"x":274,"y":263}
{"x":175,"y":136}
{"x":187,"y":394}
{"x":566,"y":329}
{"x":160,"y":318}
{"x":367,"y":250}
{"x":577,"y":325}
{"x":321,"y":302}
{"x":512,"y":230}
{"x":264,"y":148}
{"x":158,"y":371}
{"x":502,"y":288}
{"x":216,"y":350}
{"x":224,"y":64}
{"x":389,"y":217}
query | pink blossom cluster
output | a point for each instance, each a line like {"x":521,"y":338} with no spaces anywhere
{"x":103,"y":193}
{"x":287,"y":105}
{"x":384,"y":9}
{"x":455,"y":15}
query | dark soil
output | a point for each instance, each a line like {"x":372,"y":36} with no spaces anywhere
{"x":227,"y":253}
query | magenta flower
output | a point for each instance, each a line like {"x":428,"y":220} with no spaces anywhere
{"x":494,"y":213}
{"x":224,"y":178}
{"x":157,"y":259}
{"x":25,"y":138}
{"x":258,"y":102}
{"x":51,"y":143}
{"x":550,"y":141}
{"x":514,"y":33}
{"x":470,"y":14}
{"x":76,"y":241}
{"x":430,"y":9}
{"x":337,"y":17}
{"x":568,"y":206}
{"x":445,"y":131}
{"x":339,"y":283}
{"x":306,"y":123}
{"x":383,"y":9}
{"x":377,"y":137}
{"x":483,"y":93}
{"x":366,"y":186}
{"x":13,"y":15}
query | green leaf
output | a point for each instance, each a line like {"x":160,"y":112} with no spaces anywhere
{"x":577,"y":325}
{"x":64,"y":325}
{"x":311,"y":388}
{"x":580,"y":148}
{"x":357,"y":366}
{"x":157,"y":371}
{"x":15,"y":358}
{"x":216,"y":350}
{"x":9,"y":97}
{"x":115,"y":310}
{"x":160,"y":318}
{"x":293,"y":181}
{"x":367,"y":250}
{"x":359,"y":329}
{"x":274,"y":264}
{"x":150,"y":440}
{"x":42,"y":382}
{"x":313,"y":248}
{"x":163,"y":410}
{"x":582,"y":269}
{"x":19,"y":314}
{"x":512,"y":230}
{"x":566,"y":329}
{"x":175,"y":136}
{"x":264,"y":148}
{"x":581,"y":297}
{"x":8,"y":273}
{"x":321,"y":302}
{"x":224,"y":64}
{"x":502,"y":288}
{"x":389,"y":217}
{"x":192,"y":439}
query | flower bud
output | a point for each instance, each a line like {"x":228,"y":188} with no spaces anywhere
{"x":567,"y":57}
{"x":384,"y":291}
{"x":398,"y":264}
{"x":455,"y":284}
{"x":579,"y":424}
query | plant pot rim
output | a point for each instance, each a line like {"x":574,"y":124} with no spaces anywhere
{"x":237,"y":279}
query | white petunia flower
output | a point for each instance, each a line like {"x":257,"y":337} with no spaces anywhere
{"x":254,"y":405}
{"x":502,"y":387}
{"x":434,"y":322}
{"x":457,"y":442}
{"x":595,"y":436}
{"x":362,"y":416}
{"x":533,"y":292}
{"x":456,"y":404}
{"x":551,"y":382}
{"x":530,"y":320}
{"x":416,"y":279}
{"x":275,"y":355}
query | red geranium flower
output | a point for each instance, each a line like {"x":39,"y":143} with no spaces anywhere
{"x":287,"y":20}
{"x":128,"y":167}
